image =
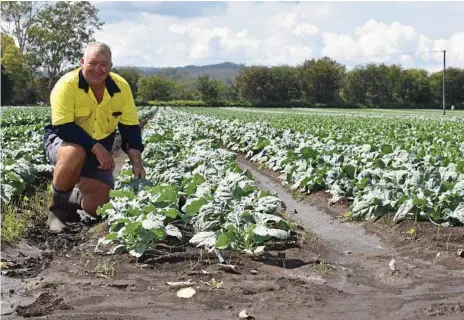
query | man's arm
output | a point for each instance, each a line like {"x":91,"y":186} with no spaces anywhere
{"x":131,"y":134}
{"x":62,"y":101}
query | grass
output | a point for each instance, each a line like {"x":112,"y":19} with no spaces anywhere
{"x":107,"y":267}
{"x":322,"y":268}
{"x":101,"y":267}
{"x":21,"y":214}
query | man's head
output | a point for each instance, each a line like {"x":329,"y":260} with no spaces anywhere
{"x":96,"y":63}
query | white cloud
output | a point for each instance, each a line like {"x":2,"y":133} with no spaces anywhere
{"x":271,"y":33}
{"x":373,"y":38}
{"x":305,"y":29}
{"x":406,"y":60}
{"x":454,"y":47}
{"x":238,"y":35}
{"x":379,"y":42}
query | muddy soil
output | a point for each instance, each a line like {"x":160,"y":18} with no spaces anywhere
{"x":338,"y":270}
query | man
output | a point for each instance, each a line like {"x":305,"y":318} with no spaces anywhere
{"x":88,"y":104}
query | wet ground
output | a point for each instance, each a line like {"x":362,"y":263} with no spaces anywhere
{"x":339,"y":271}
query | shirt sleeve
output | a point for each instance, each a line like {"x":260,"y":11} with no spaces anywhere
{"x":129,"y":114}
{"x":129,"y":128}
{"x":62,"y":101}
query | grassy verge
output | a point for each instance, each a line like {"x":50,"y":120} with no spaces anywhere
{"x":21,"y":214}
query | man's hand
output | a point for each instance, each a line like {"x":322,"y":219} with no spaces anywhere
{"x":138,"y":170}
{"x":104,"y":157}
{"x":135,"y":157}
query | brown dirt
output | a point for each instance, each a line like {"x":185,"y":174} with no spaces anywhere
{"x":428,"y":240}
{"x":337,"y":271}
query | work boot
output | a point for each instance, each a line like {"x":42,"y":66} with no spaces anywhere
{"x":74,"y":204}
{"x":61,"y":210}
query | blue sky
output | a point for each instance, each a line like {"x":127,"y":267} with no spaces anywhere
{"x":143,"y":33}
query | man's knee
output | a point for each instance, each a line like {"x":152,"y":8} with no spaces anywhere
{"x":90,"y":203}
{"x":70,"y":155}
{"x":95,"y":193}
{"x":70,"y":159}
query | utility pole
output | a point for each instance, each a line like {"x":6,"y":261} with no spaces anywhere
{"x":444,"y":75}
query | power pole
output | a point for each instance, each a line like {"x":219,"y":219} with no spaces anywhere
{"x":444,"y":75}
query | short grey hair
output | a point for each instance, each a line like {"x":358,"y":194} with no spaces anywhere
{"x":100,"y":47}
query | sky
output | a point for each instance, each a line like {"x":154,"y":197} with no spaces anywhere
{"x":171,"y":34}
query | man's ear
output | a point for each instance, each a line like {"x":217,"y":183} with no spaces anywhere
{"x":82,"y":62}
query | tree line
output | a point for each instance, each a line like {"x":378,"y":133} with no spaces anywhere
{"x":42,"y":42}
{"x":315,"y":82}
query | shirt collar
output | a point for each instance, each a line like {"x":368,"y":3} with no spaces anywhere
{"x":111,"y":86}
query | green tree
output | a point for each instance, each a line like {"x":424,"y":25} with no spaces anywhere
{"x":59,"y":34}
{"x":454,"y":88}
{"x":321,"y":80}
{"x":18,"y":18}
{"x":14,"y":64}
{"x":284,"y":85}
{"x":131,"y":75}
{"x":415,"y":88}
{"x":373,"y":86}
{"x":354,"y":88}
{"x":7,"y":87}
{"x":185,"y":90}
{"x":155,"y":88}
{"x":230,"y":91}
{"x":208,"y":88}
{"x":254,"y":84}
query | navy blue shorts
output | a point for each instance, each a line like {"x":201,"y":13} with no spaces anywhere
{"x":89,"y":170}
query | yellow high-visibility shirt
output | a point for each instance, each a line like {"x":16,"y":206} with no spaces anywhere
{"x":72,"y":100}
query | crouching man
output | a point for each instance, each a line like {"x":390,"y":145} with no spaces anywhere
{"x":88,"y":104}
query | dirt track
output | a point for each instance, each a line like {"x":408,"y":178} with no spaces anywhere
{"x":341,"y":272}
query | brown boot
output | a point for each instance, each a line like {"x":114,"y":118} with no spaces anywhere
{"x":56,"y":220}
{"x":74,"y":204}
{"x":61,"y":211}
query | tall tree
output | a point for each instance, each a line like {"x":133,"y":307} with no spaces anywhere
{"x":321,"y":79}
{"x":7,"y":87}
{"x":415,"y":88}
{"x":284,"y":83}
{"x":59,"y":34}
{"x":254,"y":83}
{"x":18,"y":18}
{"x":155,"y":88}
{"x":131,"y":75}
{"x":185,"y":90}
{"x":13,"y":64}
{"x":454,"y":87}
{"x":208,"y":88}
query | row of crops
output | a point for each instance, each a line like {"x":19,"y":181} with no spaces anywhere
{"x":407,"y":167}
{"x":193,"y":192}
{"x":23,"y":161}
{"x":22,"y":157}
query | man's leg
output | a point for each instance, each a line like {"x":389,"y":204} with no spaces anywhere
{"x":95,"y":193}
{"x":69,"y":159}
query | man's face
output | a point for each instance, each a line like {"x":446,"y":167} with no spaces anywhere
{"x":96,"y":67}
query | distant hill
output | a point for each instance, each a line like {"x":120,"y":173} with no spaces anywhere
{"x":220,"y":71}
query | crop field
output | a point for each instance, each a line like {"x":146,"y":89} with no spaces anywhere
{"x":405,"y":166}
{"x":224,"y":212}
